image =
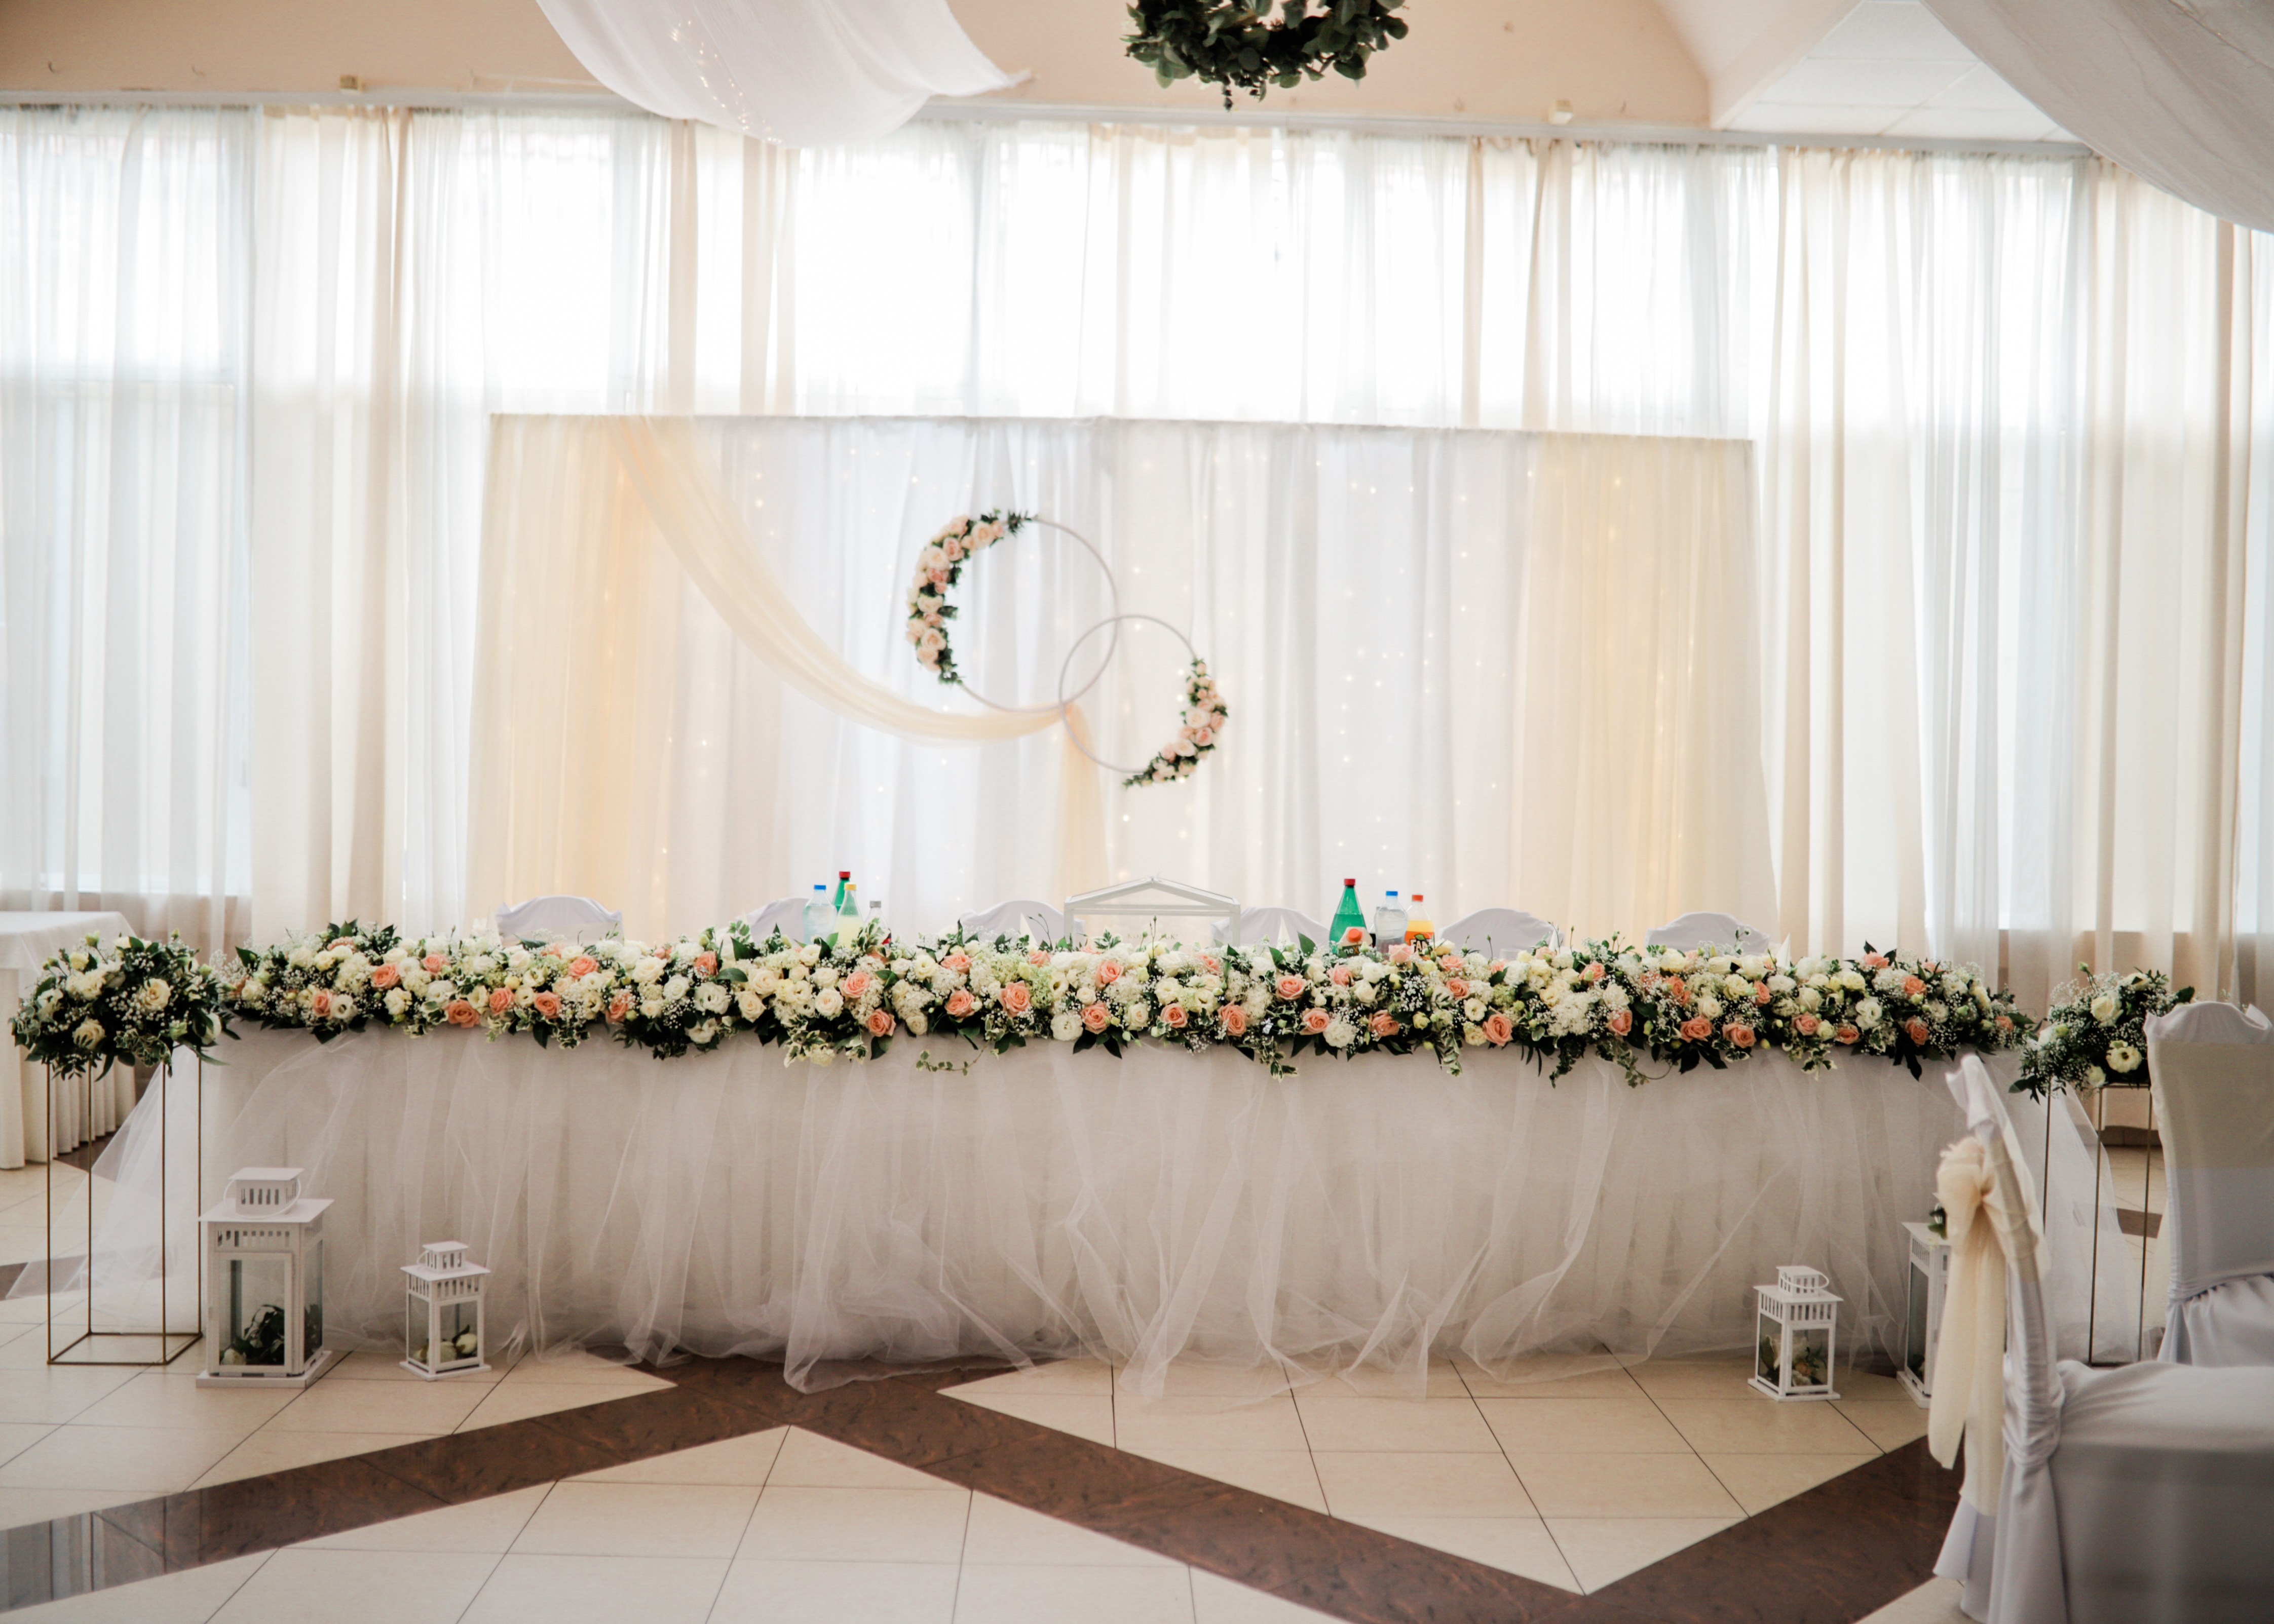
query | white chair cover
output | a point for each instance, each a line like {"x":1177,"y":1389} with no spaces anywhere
{"x":1021,"y":917}
{"x":2213,"y":1066}
{"x":1260,"y":925}
{"x":1707,"y":930}
{"x":786,"y":914}
{"x":2140,"y":1493}
{"x":580,"y":917}
{"x":1500,"y":930}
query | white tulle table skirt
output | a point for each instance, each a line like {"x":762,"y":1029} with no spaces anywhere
{"x":1158,"y":1205}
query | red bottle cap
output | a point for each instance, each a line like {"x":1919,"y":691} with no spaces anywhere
{"x":1350,"y":882}
{"x":845,"y":874}
{"x":1417,"y":896}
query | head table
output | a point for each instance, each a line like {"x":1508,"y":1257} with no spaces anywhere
{"x":1159,"y":1205}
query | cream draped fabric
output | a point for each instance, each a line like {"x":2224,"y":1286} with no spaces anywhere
{"x":1582,"y":594}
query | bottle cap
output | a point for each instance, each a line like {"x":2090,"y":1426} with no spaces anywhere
{"x":1417,"y":896}
{"x":845,"y":874}
{"x":1350,"y":882}
{"x":1390,"y":893}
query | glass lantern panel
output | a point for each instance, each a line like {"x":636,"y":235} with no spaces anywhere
{"x":1811,"y":1357}
{"x":312,"y":1337}
{"x":255,"y":1293}
{"x":414,"y":1326}
{"x":1915,"y":1324}
{"x":461,"y":1335}
{"x":1768,"y":1359}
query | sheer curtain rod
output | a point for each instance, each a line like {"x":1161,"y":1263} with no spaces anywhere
{"x":947,"y":109}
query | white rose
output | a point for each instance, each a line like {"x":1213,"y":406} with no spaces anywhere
{"x":442,"y":990}
{"x":750,"y":1004}
{"x":397,"y":1001}
{"x":652,"y":1007}
{"x":1340,"y":1034}
{"x":1867,"y":1013}
{"x":1710,"y":1007}
{"x":1066,"y":1025}
{"x":675,"y":988}
{"x":825,"y":976}
{"x":2095,"y":1076}
{"x":1810,"y":999}
{"x":918,"y":1024}
{"x":1852,"y":979}
{"x":88,"y":1034}
{"x":2103,"y":1008}
{"x":647,"y":970}
{"x":1137,"y":1015}
{"x":1472,"y":1034}
{"x":828,"y":1002}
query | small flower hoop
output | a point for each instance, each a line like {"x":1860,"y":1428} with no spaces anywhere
{"x":1204,"y":713}
{"x":939,"y":566}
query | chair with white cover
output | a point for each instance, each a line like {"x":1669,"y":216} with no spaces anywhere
{"x":1500,"y":930}
{"x":786,"y":914}
{"x":1021,"y":917}
{"x":2137,"y":1493}
{"x":2212,"y":1066}
{"x":1259,"y":926}
{"x":1692,"y":930}
{"x":578,"y":918}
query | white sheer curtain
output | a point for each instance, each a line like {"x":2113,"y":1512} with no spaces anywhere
{"x":2014,"y":420}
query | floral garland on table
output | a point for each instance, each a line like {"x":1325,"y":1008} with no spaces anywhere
{"x":939,"y":567}
{"x":849,"y":997}
{"x":126,"y":1001}
{"x":1205,"y":715}
{"x":2099,"y":1032}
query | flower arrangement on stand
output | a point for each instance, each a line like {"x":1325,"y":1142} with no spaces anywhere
{"x":2097,"y":1035}
{"x":126,"y":1001}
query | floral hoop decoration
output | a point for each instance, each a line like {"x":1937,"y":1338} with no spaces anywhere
{"x":1204,"y":719}
{"x":939,"y":566}
{"x":1235,"y":44}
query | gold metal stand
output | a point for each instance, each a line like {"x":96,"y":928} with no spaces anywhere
{"x":91,"y":1346}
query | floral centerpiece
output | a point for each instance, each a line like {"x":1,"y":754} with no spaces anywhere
{"x":2098,"y":1032}
{"x":126,"y":1000}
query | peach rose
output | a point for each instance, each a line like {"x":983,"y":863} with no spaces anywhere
{"x":1677,"y":989}
{"x":957,"y":961}
{"x":1647,"y":980}
{"x":1698,"y":1028}
{"x":1174,"y":1014}
{"x":500,"y":1001}
{"x":1400,"y":953}
{"x":1761,"y":992}
{"x":1497,"y":1028}
{"x":620,"y":1006}
{"x":547,"y":1004}
{"x":936,"y":575}
{"x":1739,"y":1033}
{"x":1449,"y":962}
{"x":1621,"y":1021}
{"x":1807,"y":1024}
{"x":320,"y":1004}
{"x":556,"y":950}
{"x":1458,"y":988}
{"x":1108,"y":973}
{"x":1315,"y":1020}
{"x":1017,"y":997}
{"x":1288,"y":987}
{"x":1211,"y":963}
{"x":461,"y":1013}
{"x":707,"y":963}
{"x":1340,"y":976}
{"x":858,"y":983}
{"x":1382,"y":1023}
{"x":1913,"y":986}
{"x":1919,"y":1030}
{"x":1354,"y":936}
{"x":1877,"y":961}
{"x":1593,"y":972}
{"x":1096,"y":1017}
{"x":2004,"y":1023}
{"x":880,"y":1023}
{"x":1038,"y":957}
{"x":435,"y":962}
{"x":1846,"y":1033}
{"x":338,"y":942}
{"x":581,"y":966}
{"x":960,"y":1003}
{"x":385,"y":977}
{"x":1235,"y":1021}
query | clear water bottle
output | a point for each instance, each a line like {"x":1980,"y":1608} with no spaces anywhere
{"x":1389,"y":920}
{"x":820,"y":918}
{"x":876,"y":916}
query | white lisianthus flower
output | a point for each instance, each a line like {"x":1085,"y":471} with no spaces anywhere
{"x":2122,"y":1057}
{"x":1474,"y":1009}
{"x":809,"y":954}
{"x":1066,"y":1025}
{"x":1340,"y":1034}
{"x":1420,"y":1018}
{"x":441,"y":990}
{"x":1810,"y":999}
{"x":702,"y":1034}
{"x":1868,"y":1013}
{"x":2105,"y":1008}
{"x":2095,"y":1076}
{"x":652,"y":1007}
{"x":397,"y":1001}
{"x":1472,"y":1034}
{"x":1782,"y":983}
{"x":1366,"y":992}
{"x":712,"y":998}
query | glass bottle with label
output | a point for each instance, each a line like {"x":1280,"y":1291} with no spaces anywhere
{"x":1348,"y":917}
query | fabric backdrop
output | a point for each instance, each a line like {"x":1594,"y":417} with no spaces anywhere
{"x":2014,"y":467}
{"x":1535,"y":648}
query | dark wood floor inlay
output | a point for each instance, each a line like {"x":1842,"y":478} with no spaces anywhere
{"x":1836,"y":1552}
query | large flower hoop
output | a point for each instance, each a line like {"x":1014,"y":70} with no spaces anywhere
{"x":1205,"y":713}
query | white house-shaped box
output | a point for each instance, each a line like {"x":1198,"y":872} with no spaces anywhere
{"x":443,"y":1333}
{"x":264,"y":1308}
{"x":1185,"y":910}
{"x":1794,"y":1345}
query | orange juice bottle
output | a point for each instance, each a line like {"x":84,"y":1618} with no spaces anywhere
{"x":1418,"y":927}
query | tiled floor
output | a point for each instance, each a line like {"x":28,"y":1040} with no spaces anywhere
{"x":1574,"y":1472}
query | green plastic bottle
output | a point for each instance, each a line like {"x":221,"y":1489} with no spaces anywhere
{"x":1348,"y":917}
{"x":837,"y":902}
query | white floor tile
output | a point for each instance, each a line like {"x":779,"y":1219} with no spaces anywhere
{"x":1084,"y":1415}
{"x":746,"y":1461}
{"x":1406,"y":1381}
{"x":1889,"y":1425}
{"x":1188,"y":1378}
{"x":1601,"y":1550}
{"x":788,"y":1592}
{"x":1722,"y":1376}
{"x":857,"y":1525}
{"x":167,"y":1398}
{"x":18,"y":1436}
{"x":638,"y":1519}
{"x":18,"y":1507}
{"x":1761,"y":1425}
{"x":1346,"y":1420}
{"x":367,"y":1364}
{"x":358,"y":1586}
{"x":157,"y":1460}
{"x":1593,"y":1375}
{"x":479,"y":1525}
{"x":1283,"y":1474}
{"x":503,"y":1402}
{"x":1002,"y":1533}
{"x":598,"y":1590}
{"x":556,"y":1369}
{"x":1759,"y":1481}
{"x":1624,"y":1485}
{"x":1007,"y":1595}
{"x":187,"y":1598}
{"x":378,"y":1407}
{"x":1206,"y":1423}
{"x":1513,"y":1545}
{"x":1381,"y":1483}
{"x":808,"y":1461}
{"x":1935,"y":1602}
{"x":1534,"y":1426}
{"x":271,"y":1451}
{"x":53,"y":1394}
{"x":1090,"y":1376}
{"x":1218,"y":1600}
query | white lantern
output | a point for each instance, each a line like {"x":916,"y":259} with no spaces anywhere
{"x":1793,"y":1345}
{"x":1930,"y":1277}
{"x":264,"y":1309}
{"x":443,"y":1330}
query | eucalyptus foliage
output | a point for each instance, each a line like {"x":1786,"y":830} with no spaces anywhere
{"x":1238,"y":45}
